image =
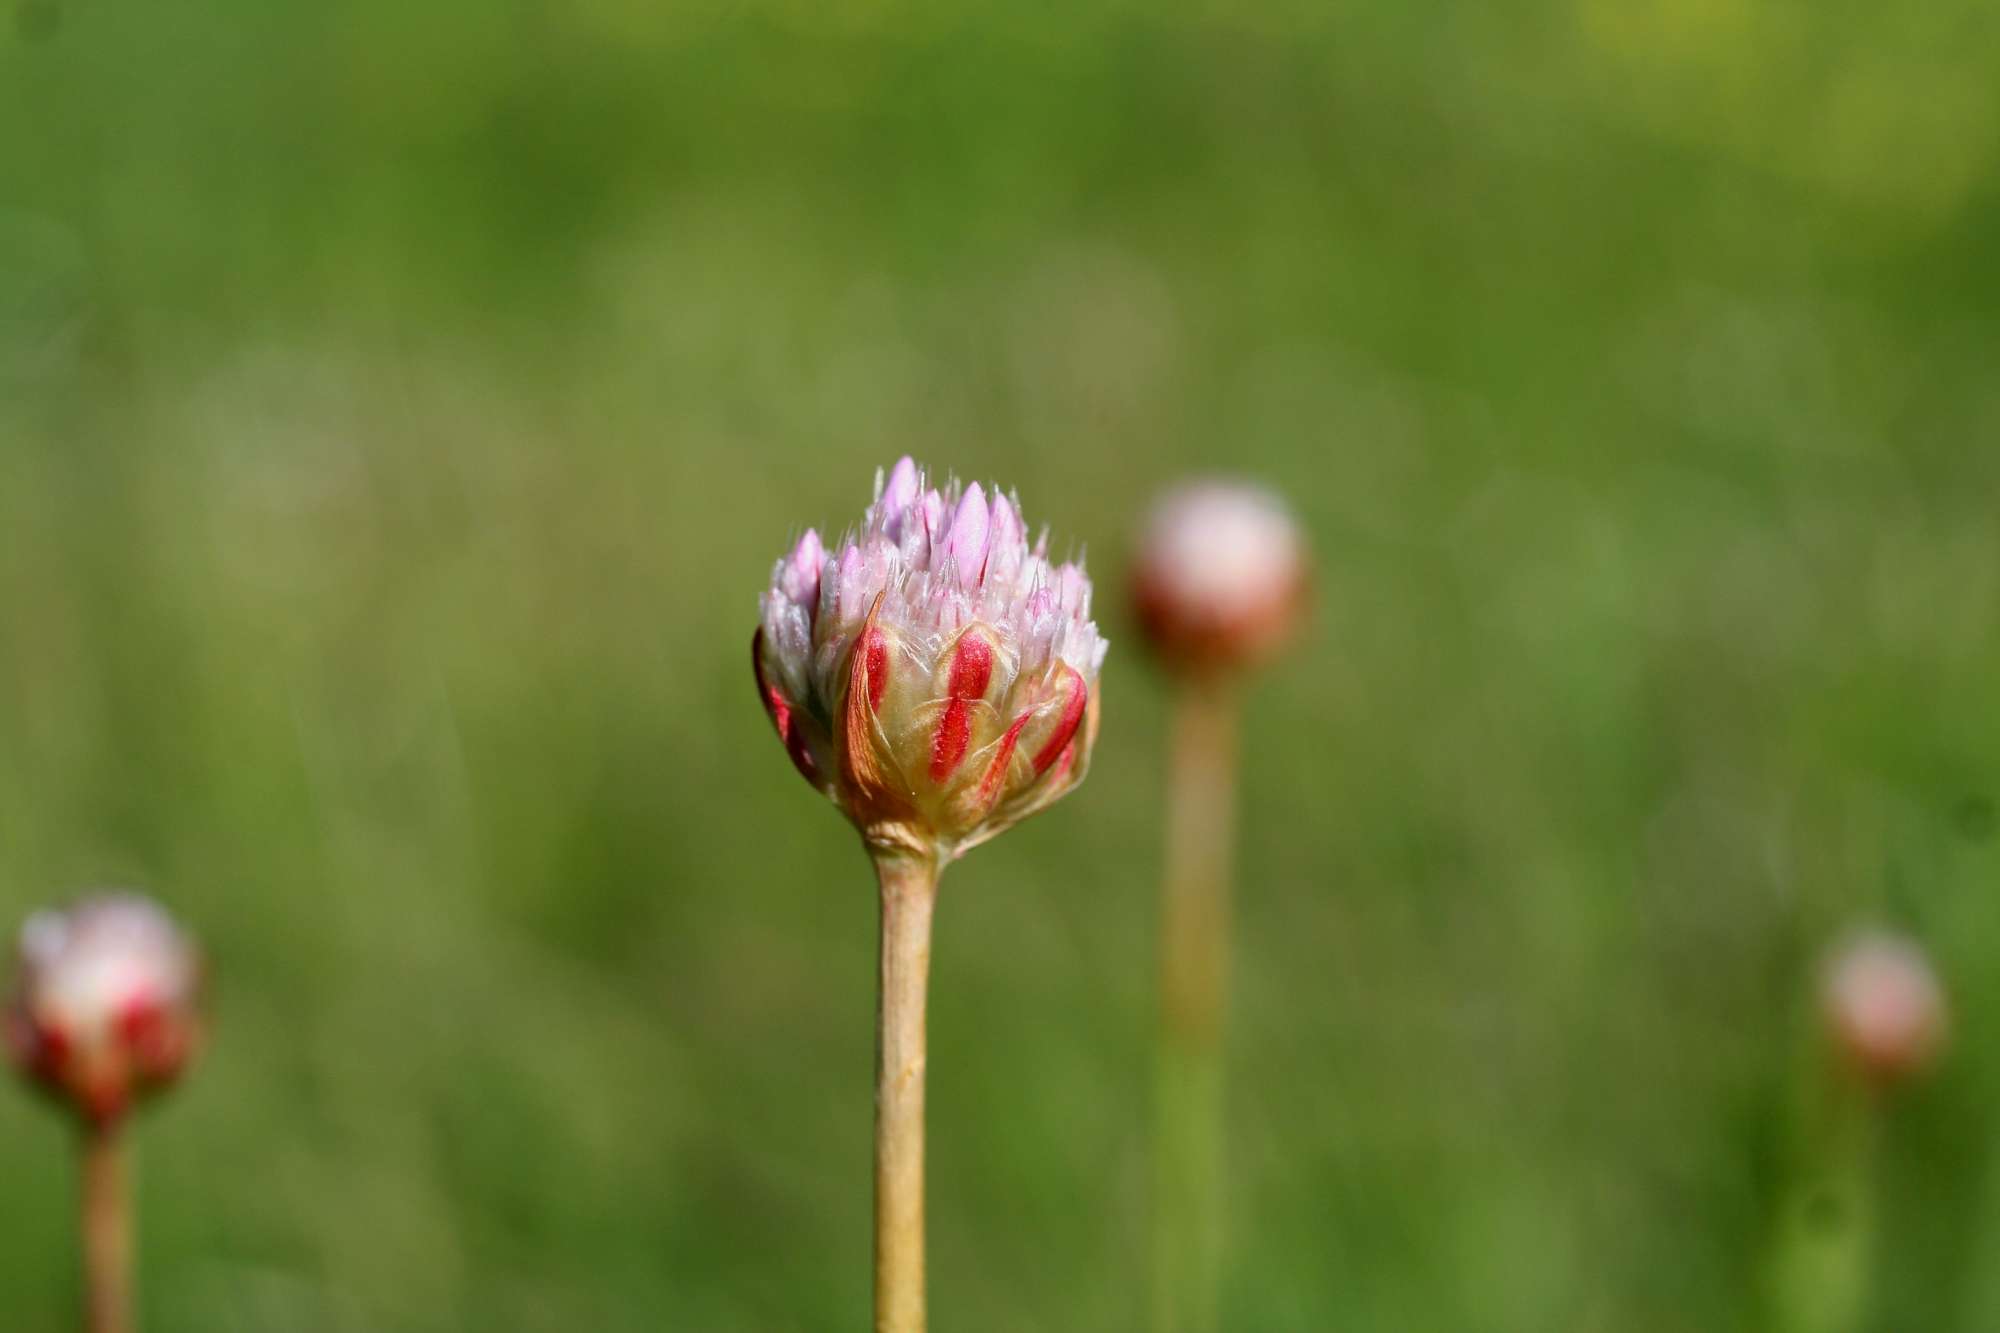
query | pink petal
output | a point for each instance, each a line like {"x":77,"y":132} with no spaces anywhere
{"x":901,"y":491}
{"x":1007,"y":542}
{"x":800,"y":582}
{"x":968,"y":536}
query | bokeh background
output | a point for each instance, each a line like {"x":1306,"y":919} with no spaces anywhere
{"x":400,"y":406}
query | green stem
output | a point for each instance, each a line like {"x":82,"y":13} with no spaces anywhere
{"x":1188,"y":1132}
{"x":909,"y":892}
{"x":1822,"y":1254}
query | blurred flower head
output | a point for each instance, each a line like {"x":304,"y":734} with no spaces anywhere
{"x":1219,"y":579}
{"x":1885,"y":1009}
{"x":105,"y":1005}
{"x":935,"y":676}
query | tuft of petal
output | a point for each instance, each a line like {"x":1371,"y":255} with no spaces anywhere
{"x":968,"y":536}
{"x":1006,"y":543}
{"x":932,"y":511}
{"x":900,"y":492}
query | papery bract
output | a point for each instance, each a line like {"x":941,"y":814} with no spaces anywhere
{"x":934,"y":675}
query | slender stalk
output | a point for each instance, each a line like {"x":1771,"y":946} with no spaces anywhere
{"x":106,"y":1217}
{"x":909,"y":891}
{"x":1194,"y":983}
{"x":1822,"y":1256}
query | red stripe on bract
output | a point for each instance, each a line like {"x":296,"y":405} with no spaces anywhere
{"x":163,"y":1052}
{"x":876,"y":664}
{"x":780,"y":711}
{"x":996,"y":772}
{"x":138,"y":1018}
{"x":775,"y":706}
{"x":948,"y":746}
{"x":52,"y":1048}
{"x":971,"y":672}
{"x":1065,"y":761}
{"x":792,"y":734}
{"x":971,"y":668}
{"x":871,"y":796}
{"x":1072,"y":717}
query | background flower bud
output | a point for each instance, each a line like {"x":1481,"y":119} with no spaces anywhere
{"x":105,"y":1004}
{"x":1219,"y":579}
{"x":1884,"y":1007}
{"x":935,"y":676}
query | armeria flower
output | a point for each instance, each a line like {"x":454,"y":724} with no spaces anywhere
{"x":1218,"y":584}
{"x":1219,"y":580}
{"x":105,"y":1008}
{"x":1884,"y":1006}
{"x":935,"y":676}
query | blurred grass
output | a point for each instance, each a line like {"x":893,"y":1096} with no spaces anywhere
{"x":399,"y":407}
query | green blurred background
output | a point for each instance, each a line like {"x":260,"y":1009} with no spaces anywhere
{"x":400,"y":407}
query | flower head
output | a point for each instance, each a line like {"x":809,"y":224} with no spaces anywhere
{"x":1219,"y":579}
{"x":1885,"y":1009}
{"x":935,"y":676}
{"x":104,"y":1008}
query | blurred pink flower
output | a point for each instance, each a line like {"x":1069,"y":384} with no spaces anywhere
{"x":1219,"y":579}
{"x":1884,"y":1006}
{"x":105,"y":1007}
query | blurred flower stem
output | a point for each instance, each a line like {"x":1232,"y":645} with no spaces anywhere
{"x":1194,"y":974}
{"x":1882,"y":1022}
{"x":106,"y":1217}
{"x":1824,"y":1238}
{"x":909,"y":891}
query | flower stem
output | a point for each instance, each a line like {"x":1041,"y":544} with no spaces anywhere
{"x":909,"y":891}
{"x":1194,"y":976}
{"x":1823,"y":1247}
{"x":106,"y":1217}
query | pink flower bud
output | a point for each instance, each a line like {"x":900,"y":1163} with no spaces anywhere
{"x":900,"y":492}
{"x":938,"y":682}
{"x":1884,"y":1007}
{"x":105,"y":1007}
{"x":1219,"y":579}
{"x":969,"y":525}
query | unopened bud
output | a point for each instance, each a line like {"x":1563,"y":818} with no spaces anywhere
{"x":1885,"y":1009}
{"x":1219,"y":580}
{"x":105,"y":1006}
{"x":935,"y":676}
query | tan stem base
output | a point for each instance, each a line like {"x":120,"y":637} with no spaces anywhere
{"x":107,"y":1232}
{"x":1188,"y":1166}
{"x":909,"y":892}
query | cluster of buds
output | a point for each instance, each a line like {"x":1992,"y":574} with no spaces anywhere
{"x":936,"y":676}
{"x":1884,"y":1007}
{"x":1220,"y":577}
{"x":106,"y":1006}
